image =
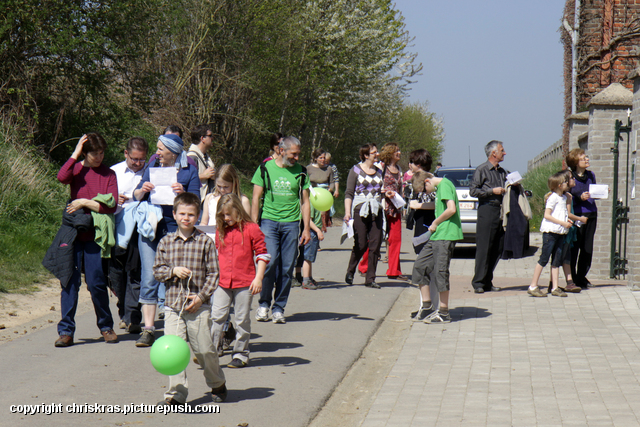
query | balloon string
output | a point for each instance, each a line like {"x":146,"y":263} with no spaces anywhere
{"x":181,"y":291}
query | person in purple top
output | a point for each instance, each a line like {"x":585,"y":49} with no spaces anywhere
{"x":363,"y":203}
{"x":583,"y":205}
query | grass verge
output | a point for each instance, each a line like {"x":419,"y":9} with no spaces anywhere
{"x":31,"y":202}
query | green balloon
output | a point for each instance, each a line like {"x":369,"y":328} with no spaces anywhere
{"x":170,"y":355}
{"x":322,"y":200}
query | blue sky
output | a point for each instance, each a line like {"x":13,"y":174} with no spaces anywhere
{"x":492,"y":70}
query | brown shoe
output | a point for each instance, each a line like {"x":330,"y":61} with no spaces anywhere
{"x":219,"y":394}
{"x":572,"y":288}
{"x":110,"y":337}
{"x":64,"y":341}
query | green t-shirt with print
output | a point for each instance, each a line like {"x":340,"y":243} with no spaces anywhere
{"x":316,"y":216}
{"x":281,"y":195}
{"x":451,"y":229}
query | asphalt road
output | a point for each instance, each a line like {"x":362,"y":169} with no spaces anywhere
{"x":293,"y":370}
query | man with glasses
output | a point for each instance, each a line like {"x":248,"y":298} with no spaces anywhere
{"x":488,"y":185}
{"x":124,"y":267}
{"x":201,"y":142}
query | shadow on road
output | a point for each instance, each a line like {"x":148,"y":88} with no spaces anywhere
{"x":467,"y":251}
{"x":252,"y":393}
{"x":270,"y":347}
{"x":321,"y":315}
{"x":235,"y":396}
{"x":277,"y":361}
{"x":464,"y":313}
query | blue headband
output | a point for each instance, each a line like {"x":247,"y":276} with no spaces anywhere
{"x":176,"y":146}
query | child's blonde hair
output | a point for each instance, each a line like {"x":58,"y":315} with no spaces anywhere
{"x":229,"y":174}
{"x":555,"y":181}
{"x":232,"y":203}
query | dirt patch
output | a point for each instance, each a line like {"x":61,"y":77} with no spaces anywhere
{"x":21,"y":314}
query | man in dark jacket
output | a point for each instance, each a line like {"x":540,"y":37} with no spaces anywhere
{"x":488,"y":185}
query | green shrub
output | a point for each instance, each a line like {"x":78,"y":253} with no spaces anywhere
{"x":31,"y":203}
{"x":536,"y":181}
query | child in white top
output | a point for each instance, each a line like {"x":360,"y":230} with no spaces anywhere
{"x":227,"y":182}
{"x":554,"y":227}
{"x":570,"y":237}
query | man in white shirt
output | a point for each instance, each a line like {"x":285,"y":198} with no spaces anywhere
{"x":124,"y":268}
{"x":129,"y":172}
{"x":201,"y":142}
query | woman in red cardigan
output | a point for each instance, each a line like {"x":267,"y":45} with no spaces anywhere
{"x":87,"y":179}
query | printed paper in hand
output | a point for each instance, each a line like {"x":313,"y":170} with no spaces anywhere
{"x":347,"y":230}
{"x":398,"y":201}
{"x":599,"y":191}
{"x":162,"y":178}
{"x":514,"y":177}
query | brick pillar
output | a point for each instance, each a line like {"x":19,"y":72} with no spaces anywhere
{"x":578,"y":130}
{"x":604,"y":108}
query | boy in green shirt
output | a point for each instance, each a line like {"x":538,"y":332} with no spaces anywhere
{"x":436,"y":254}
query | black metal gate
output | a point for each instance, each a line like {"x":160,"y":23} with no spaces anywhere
{"x":620,"y":211}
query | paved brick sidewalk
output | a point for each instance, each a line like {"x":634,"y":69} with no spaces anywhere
{"x":516,"y":360}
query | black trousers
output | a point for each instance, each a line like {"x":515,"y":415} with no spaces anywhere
{"x":367,"y":233}
{"x":489,"y":244}
{"x":582,"y":251}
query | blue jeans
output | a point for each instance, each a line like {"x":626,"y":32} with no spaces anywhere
{"x":281,"y":239}
{"x":552,"y":247}
{"x":148,"y":284}
{"x":96,"y":283}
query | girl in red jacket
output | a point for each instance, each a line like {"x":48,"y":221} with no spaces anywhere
{"x":238,"y":241}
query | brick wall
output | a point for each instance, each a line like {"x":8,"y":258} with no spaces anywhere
{"x":606,"y":54}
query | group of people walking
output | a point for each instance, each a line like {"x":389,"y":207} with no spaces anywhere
{"x":178,"y":234}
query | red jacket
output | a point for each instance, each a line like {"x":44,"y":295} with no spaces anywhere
{"x":235,"y":256}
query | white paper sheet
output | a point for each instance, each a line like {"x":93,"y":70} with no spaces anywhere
{"x":514,"y":177}
{"x":209,"y":229}
{"x":347,"y":230}
{"x":599,"y":191}
{"x":398,"y":201}
{"x":162,"y":178}
{"x":423,"y":238}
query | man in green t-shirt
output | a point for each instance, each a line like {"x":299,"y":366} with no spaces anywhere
{"x":436,"y":254}
{"x":285,"y":186}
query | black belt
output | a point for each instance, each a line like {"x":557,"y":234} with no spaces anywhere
{"x":490,"y":202}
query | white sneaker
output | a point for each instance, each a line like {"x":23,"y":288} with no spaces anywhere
{"x":262,"y":314}
{"x":278,"y":317}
